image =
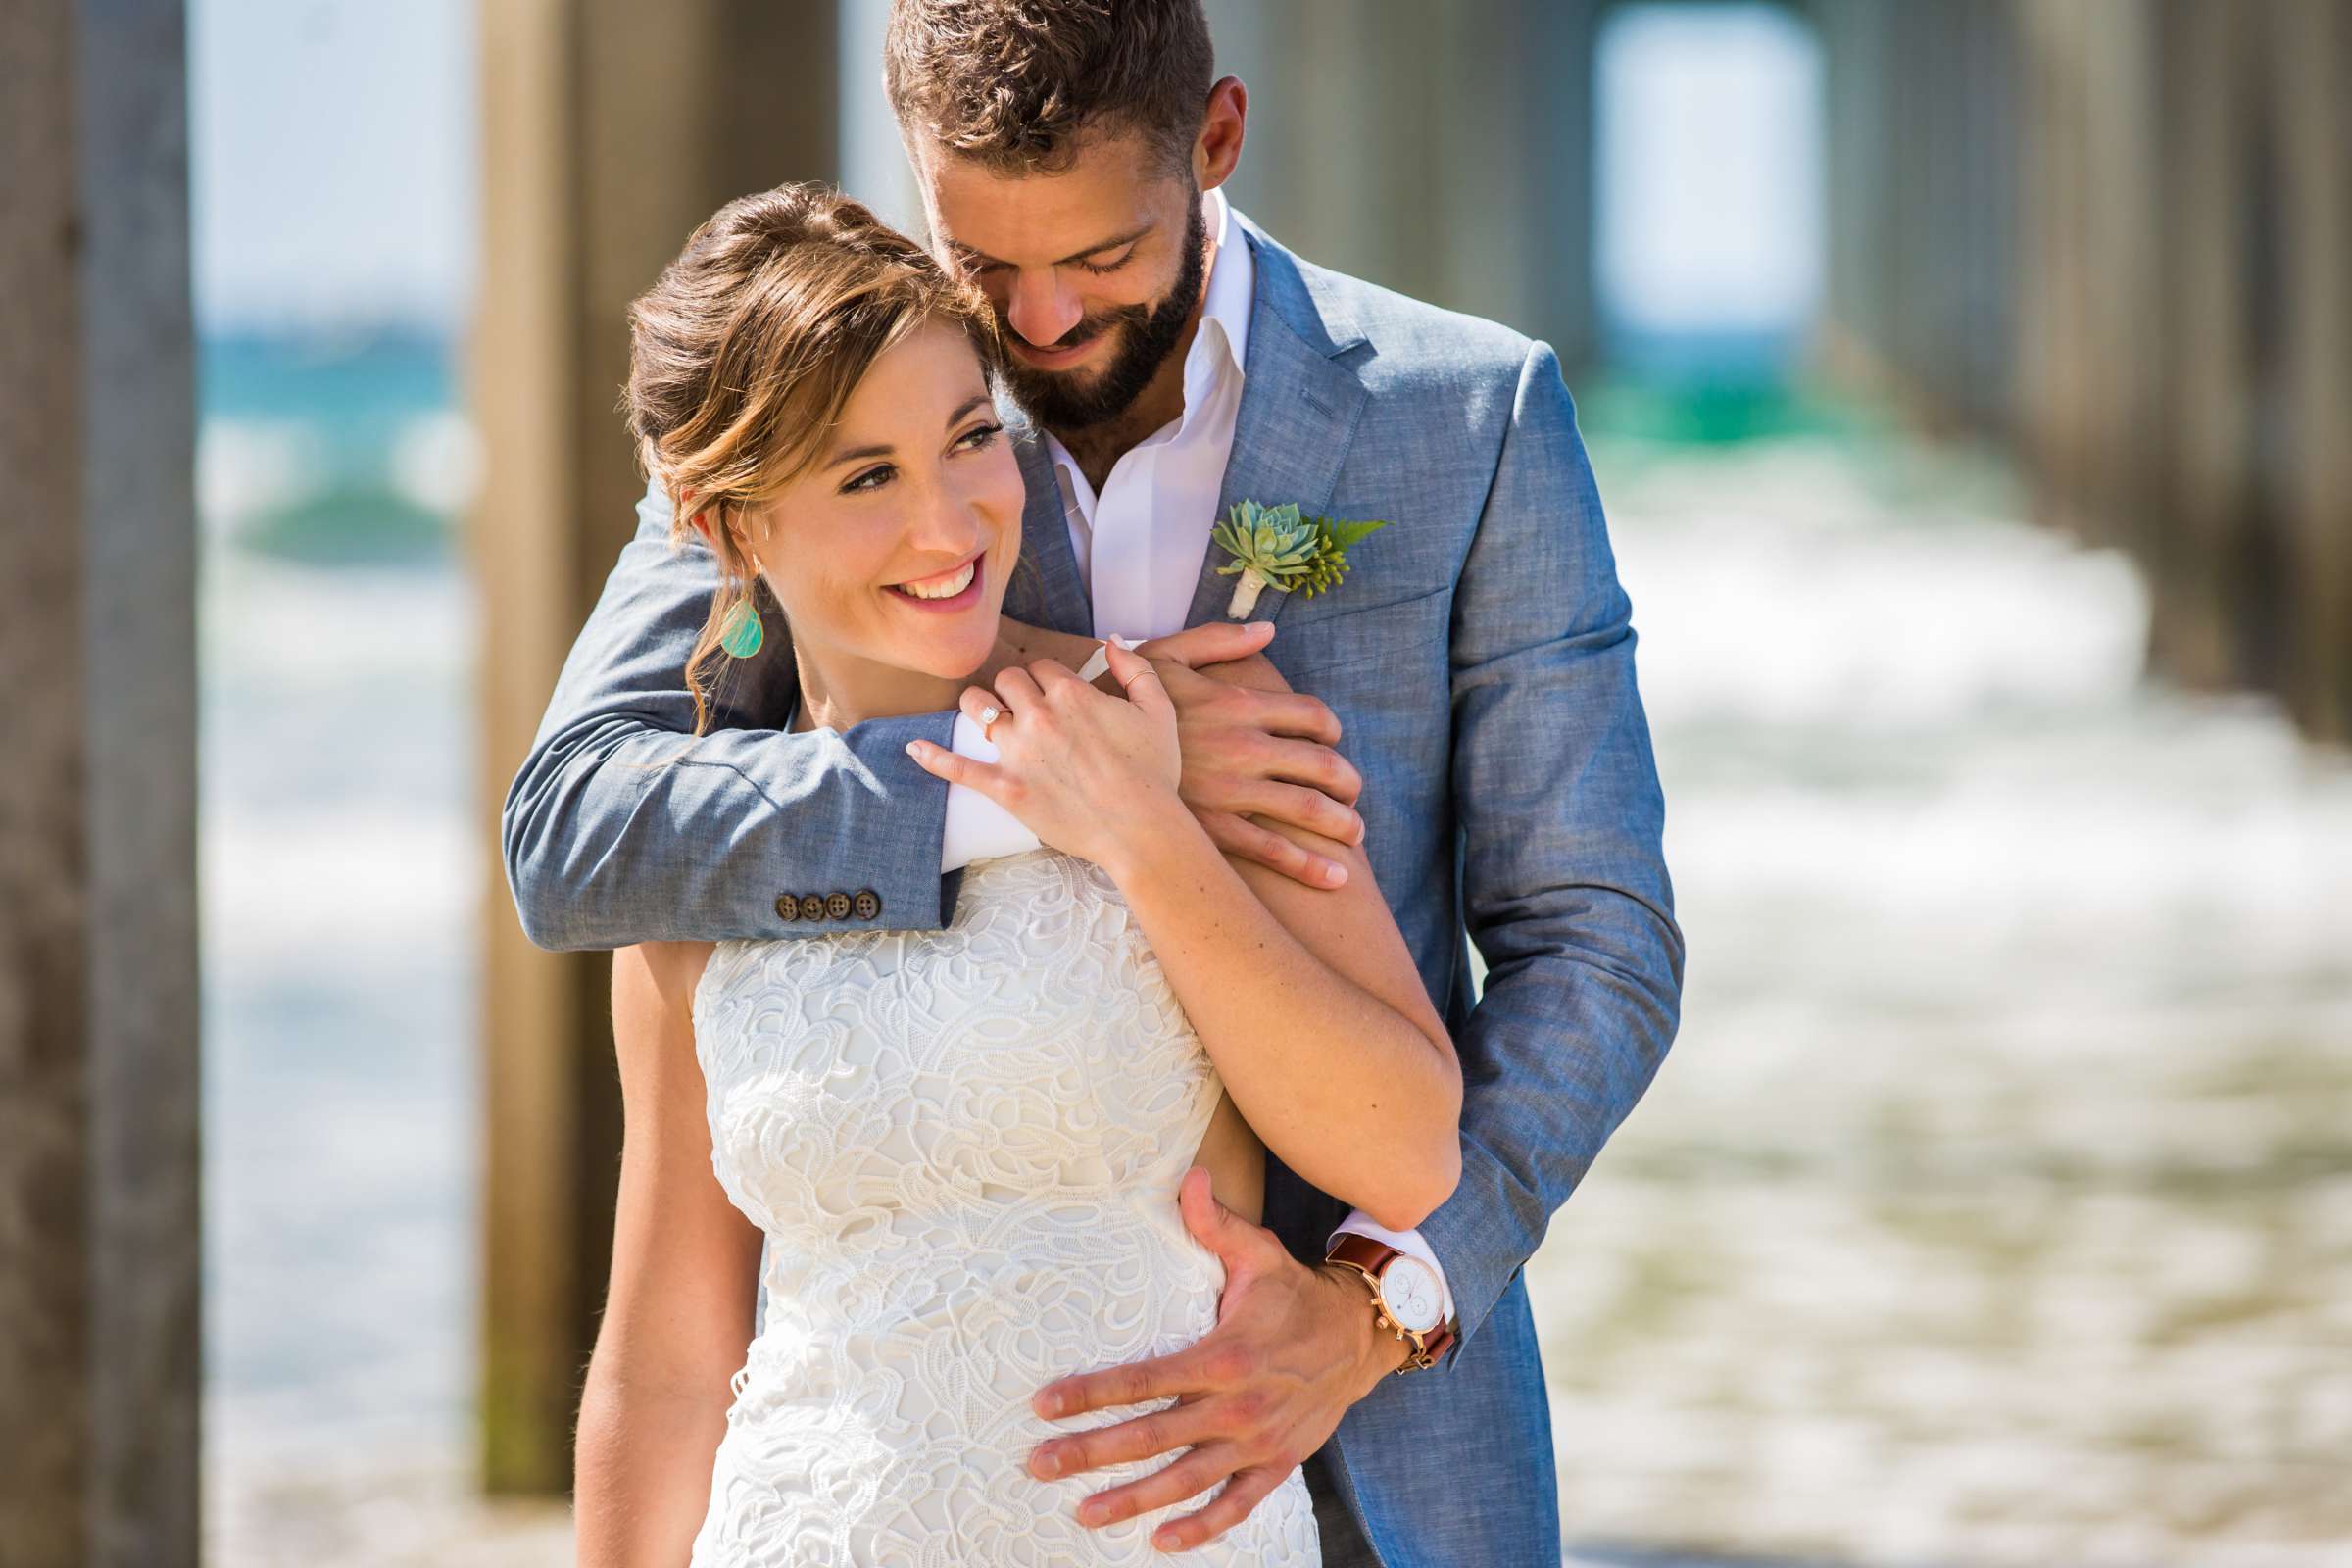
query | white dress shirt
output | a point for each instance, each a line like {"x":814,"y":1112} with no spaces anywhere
{"x":1140,"y":544}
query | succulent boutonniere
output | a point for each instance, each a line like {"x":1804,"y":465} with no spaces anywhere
{"x":1274,"y":547}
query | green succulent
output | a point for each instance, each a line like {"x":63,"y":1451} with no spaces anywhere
{"x":1275,"y":547}
{"x":1275,"y":542}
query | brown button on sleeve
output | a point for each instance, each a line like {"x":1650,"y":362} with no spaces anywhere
{"x":812,"y":907}
{"x":867,"y":903}
{"x":837,"y":906}
{"x":788,"y":908}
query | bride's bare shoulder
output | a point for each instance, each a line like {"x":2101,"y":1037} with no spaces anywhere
{"x":670,"y":969}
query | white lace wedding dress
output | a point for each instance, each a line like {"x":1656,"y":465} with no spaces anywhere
{"x":964,"y":1147}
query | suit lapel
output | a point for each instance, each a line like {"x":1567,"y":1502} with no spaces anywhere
{"x":1299,"y":406}
{"x":1052,"y":596}
{"x":1299,"y":410}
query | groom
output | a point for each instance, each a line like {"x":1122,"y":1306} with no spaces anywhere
{"x":1475,"y":668}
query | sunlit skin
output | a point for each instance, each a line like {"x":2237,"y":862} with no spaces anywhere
{"x":1054,"y":250}
{"x":916,"y":482}
{"x":914,"y":487}
{"x":1295,"y":1347}
{"x":1051,"y":249}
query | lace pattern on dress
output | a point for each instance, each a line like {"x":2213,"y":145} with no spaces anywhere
{"x":964,"y":1147}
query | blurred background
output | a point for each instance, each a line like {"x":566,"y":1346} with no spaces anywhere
{"x":1969,"y":384}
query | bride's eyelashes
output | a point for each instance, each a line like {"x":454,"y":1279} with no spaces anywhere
{"x":979,"y":438}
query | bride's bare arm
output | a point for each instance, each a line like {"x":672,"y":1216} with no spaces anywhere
{"x":1236,"y":1161}
{"x":1309,"y":1003}
{"x":1306,"y":998}
{"x":678,"y":1310}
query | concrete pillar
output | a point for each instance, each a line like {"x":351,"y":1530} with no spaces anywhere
{"x":100,"y":1344}
{"x":609,"y":129}
{"x":2091,"y":322}
{"x":1922,"y":204}
{"x":2197,"y":546}
{"x":2310,"y":56}
{"x":1982,"y":224}
{"x":1442,"y":151}
{"x":1859,"y":91}
{"x":2166,"y":334}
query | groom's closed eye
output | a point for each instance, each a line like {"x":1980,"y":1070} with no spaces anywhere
{"x":1099,"y":269}
{"x":1107,"y":257}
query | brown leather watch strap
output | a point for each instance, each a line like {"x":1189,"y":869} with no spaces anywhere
{"x":1353,"y":1247}
{"x":1362,"y":1252}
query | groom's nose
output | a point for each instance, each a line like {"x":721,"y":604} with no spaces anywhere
{"x":1043,"y":306}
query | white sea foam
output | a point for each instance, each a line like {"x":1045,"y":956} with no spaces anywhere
{"x":436,"y":462}
{"x":245,"y":467}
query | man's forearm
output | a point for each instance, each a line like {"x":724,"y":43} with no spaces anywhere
{"x":628,"y":832}
{"x":1583,"y":1046}
{"x":741,"y":828}
{"x":1564,"y":875}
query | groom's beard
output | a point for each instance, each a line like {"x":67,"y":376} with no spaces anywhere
{"x":1063,"y":400}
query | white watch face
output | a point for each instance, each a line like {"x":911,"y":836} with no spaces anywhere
{"x":1408,"y":1288}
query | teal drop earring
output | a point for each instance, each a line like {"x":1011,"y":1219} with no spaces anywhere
{"x":741,"y":634}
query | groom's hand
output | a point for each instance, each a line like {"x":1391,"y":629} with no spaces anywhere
{"x":1292,"y":1349}
{"x":1254,"y":749}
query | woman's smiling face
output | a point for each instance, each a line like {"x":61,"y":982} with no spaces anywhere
{"x":889,"y":553}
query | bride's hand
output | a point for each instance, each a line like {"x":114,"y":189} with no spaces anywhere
{"x":1089,"y":774}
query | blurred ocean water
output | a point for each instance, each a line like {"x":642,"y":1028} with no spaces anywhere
{"x":333,"y":450}
{"x":342,"y":887}
{"x":1995,"y":1206}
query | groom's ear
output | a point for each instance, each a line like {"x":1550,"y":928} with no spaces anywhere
{"x":1217,"y":150}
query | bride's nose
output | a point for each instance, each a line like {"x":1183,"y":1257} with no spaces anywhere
{"x":946,"y":525}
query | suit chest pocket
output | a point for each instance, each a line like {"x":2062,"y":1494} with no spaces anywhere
{"x":1364,"y":644}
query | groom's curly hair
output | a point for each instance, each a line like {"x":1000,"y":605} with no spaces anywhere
{"x":1013,"y":84}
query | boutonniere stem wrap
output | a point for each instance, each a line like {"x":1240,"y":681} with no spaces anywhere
{"x":1277,"y":548}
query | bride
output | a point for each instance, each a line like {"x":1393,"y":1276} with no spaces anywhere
{"x":963,"y":1147}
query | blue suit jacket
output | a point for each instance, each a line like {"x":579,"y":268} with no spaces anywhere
{"x":1480,"y":657}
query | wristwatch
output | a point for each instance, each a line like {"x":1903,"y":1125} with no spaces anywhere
{"x":1405,"y":1298}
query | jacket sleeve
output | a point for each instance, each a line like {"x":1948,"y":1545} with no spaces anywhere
{"x":1564,"y":883}
{"x":624,"y":827}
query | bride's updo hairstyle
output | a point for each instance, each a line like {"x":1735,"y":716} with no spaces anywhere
{"x":746,"y":349}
